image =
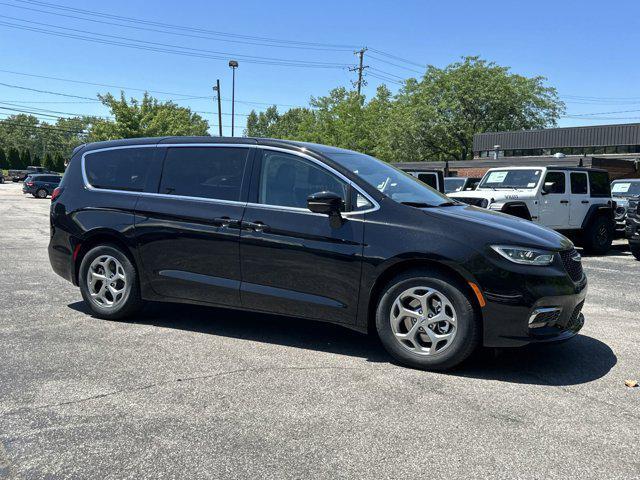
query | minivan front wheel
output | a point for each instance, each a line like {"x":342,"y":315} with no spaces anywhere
{"x":426,"y":320}
{"x":109,"y":283}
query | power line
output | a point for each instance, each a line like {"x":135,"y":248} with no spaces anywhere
{"x":160,"y":47}
{"x":400,"y":59}
{"x":396,"y":64}
{"x":190,"y":35}
{"x":185,"y":28}
{"x":8,"y":121}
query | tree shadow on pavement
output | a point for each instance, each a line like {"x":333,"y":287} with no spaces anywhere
{"x":580,"y":360}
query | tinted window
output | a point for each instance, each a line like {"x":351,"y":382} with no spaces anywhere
{"x":429,"y":178}
{"x":120,"y":169}
{"x":554,"y":182}
{"x":579,"y":183}
{"x":599,"y":183}
{"x":206,"y":172}
{"x":288,"y":180}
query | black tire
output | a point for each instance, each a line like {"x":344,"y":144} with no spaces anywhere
{"x":131,"y":301}
{"x":41,"y":193}
{"x":598,"y":236}
{"x":635,"y":250}
{"x":467,"y":336}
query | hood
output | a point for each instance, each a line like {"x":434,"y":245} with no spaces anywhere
{"x":495,"y":228}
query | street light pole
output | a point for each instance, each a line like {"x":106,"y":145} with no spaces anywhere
{"x":233,"y":64}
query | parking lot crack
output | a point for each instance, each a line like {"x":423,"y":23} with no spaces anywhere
{"x":178,"y":380}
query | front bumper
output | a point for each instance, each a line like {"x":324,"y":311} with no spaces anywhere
{"x":525,"y":305}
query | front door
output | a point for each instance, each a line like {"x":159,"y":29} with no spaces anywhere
{"x":188,"y":234}
{"x":580,"y":200}
{"x":294,"y":262}
{"x":554,"y":203}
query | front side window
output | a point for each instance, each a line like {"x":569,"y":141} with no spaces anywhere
{"x":392,"y":182}
{"x":120,"y":169}
{"x":554,"y":183}
{"x":599,"y":183}
{"x":204,"y":172}
{"x":521,"y":178}
{"x":579,"y":183}
{"x":429,"y":178}
{"x":287,"y":180}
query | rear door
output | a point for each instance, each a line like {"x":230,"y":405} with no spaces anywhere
{"x":554,"y":204}
{"x":580,"y":202}
{"x":294,"y":262}
{"x":188,"y":233}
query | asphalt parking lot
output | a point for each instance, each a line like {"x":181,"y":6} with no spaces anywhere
{"x":190,"y":392}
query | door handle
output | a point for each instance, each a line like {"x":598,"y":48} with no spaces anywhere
{"x":225,"y":222}
{"x":564,"y":201}
{"x":255,"y":226}
{"x":585,"y":201}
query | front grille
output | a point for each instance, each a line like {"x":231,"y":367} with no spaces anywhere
{"x":573,"y":267}
{"x":546,"y":318}
{"x":575,"y":322}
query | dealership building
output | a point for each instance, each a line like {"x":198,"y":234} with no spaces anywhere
{"x":615,"y":148}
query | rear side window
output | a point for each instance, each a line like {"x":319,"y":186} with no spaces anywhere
{"x":205,"y":172}
{"x":599,"y":183}
{"x":130,"y":169}
{"x":429,"y":179}
{"x":579,"y":183}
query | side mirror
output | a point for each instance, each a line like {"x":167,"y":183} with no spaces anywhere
{"x":547,"y":188}
{"x":327,"y":203}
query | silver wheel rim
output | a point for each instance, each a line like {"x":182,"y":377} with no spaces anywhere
{"x":42,"y":193}
{"x":423,"y":321}
{"x":106,"y":281}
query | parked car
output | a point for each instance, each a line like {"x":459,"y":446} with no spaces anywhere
{"x":460,"y":184}
{"x":20,"y":175}
{"x":573,"y":200}
{"x":1,"y":177}
{"x":621,"y":192}
{"x":632,"y":230}
{"x":310,"y":231}
{"x":431,"y":176}
{"x":40,"y":185}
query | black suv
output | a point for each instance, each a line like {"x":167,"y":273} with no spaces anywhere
{"x":41,"y":185}
{"x":309,"y":231}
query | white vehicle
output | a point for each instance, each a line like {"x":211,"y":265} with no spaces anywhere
{"x":573,"y":200}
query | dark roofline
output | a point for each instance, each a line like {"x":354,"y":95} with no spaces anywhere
{"x":533,"y":130}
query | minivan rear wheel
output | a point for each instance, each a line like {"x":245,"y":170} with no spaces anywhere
{"x":426,"y":320}
{"x":109,"y":283}
{"x":41,"y":193}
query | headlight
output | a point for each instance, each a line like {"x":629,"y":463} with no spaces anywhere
{"x":525,"y":256}
{"x":484,"y":203}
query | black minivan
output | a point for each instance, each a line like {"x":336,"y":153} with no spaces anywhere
{"x":308,"y":231}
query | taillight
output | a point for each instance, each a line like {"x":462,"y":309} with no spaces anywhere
{"x":56,"y":193}
{"x":29,"y":184}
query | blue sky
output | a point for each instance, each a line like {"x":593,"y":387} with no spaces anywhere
{"x":586,"y":49}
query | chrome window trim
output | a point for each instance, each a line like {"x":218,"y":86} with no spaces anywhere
{"x":88,"y":186}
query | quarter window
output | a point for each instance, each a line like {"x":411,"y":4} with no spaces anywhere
{"x":287,"y":180}
{"x":579,"y":183}
{"x":205,"y":172}
{"x":599,"y":183}
{"x":554,"y":182}
{"x":121,"y":169}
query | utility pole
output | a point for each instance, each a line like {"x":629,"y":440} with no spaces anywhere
{"x":217,"y":90}
{"x":233,"y":64}
{"x":360,"y":68}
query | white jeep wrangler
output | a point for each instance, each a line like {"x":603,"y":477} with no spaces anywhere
{"x":573,"y":200}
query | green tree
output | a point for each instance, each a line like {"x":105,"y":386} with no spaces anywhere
{"x":436,"y":117}
{"x":25,"y":158}
{"x":4,"y":163}
{"x":48,"y":162}
{"x":13,"y":158}
{"x":147,"y":117}
{"x":59,"y":163}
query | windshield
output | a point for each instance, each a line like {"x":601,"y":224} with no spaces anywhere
{"x":394,"y":183}
{"x":625,"y":189}
{"x":453,"y":184}
{"x":497,"y":179}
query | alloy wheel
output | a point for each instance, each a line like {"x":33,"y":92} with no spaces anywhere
{"x":106,"y":281}
{"x":423,"y":320}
